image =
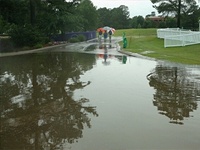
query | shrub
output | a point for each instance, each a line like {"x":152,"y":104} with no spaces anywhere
{"x":26,"y":36}
{"x":3,"y":25}
{"x":74,"y":40}
{"x":81,"y":38}
{"x":37,"y":46}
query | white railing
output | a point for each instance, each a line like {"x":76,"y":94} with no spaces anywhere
{"x":176,"y":37}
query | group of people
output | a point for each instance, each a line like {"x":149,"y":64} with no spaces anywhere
{"x":105,"y":34}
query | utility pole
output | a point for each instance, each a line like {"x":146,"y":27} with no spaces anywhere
{"x":199,"y":24}
{"x":179,"y":14}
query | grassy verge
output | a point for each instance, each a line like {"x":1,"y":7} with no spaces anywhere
{"x":145,"y":42}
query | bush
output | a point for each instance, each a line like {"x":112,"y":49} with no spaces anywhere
{"x":37,"y":46}
{"x":3,"y":25}
{"x":81,"y":38}
{"x":74,"y":40}
{"x":26,"y":36}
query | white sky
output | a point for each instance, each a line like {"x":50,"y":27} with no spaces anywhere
{"x":136,"y":7}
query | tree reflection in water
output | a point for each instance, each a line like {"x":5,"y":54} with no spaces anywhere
{"x":176,"y":92}
{"x":38,"y":110}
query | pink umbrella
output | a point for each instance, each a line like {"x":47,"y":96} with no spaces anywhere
{"x":113,"y":30}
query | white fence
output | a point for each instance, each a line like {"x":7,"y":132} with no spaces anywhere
{"x":177,"y":37}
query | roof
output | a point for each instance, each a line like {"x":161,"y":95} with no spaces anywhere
{"x":155,"y":18}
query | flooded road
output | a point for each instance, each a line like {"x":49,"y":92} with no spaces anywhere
{"x":97,"y":101}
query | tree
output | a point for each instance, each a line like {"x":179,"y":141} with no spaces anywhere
{"x":47,"y":16}
{"x":170,"y":22}
{"x":175,"y":7}
{"x":104,"y":16}
{"x":116,"y":17}
{"x":120,"y":17}
{"x":190,"y":20}
{"x":137,"y":22}
{"x":56,"y":16}
{"x":85,"y":9}
{"x":14,"y":12}
{"x":148,"y":23}
{"x":134,"y":22}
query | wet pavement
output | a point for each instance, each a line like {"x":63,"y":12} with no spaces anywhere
{"x":93,"y":47}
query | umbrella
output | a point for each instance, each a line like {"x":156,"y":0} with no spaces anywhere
{"x":100,"y":29}
{"x":113,"y":30}
{"x":107,"y":28}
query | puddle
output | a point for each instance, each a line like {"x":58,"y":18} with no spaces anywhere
{"x":66,"y":100}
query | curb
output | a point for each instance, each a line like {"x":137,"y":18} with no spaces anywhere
{"x":31,"y":51}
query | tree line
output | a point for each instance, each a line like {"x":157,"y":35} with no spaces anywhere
{"x":34,"y":21}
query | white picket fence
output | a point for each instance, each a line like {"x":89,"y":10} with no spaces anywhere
{"x":178,"y":37}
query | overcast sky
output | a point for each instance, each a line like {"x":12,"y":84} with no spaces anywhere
{"x":136,"y":7}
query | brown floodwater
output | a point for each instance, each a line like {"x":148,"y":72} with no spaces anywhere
{"x":80,"y":101}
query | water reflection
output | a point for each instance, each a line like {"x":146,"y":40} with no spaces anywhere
{"x":38,"y":110}
{"x":177,"y":91}
{"x":105,"y":54}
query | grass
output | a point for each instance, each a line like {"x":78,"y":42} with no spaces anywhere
{"x":145,"y":42}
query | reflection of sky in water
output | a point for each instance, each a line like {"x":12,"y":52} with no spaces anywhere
{"x":123,"y":98}
{"x":127,"y":118}
{"x":195,"y":74}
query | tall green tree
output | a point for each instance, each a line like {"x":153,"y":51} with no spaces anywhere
{"x":120,"y":16}
{"x":14,"y":12}
{"x":116,"y":17}
{"x":56,"y":16}
{"x":137,"y":22}
{"x":104,"y":16}
{"x":175,"y":7}
{"x":47,"y":16}
{"x":87,"y":13}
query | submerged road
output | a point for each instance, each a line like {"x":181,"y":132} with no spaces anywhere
{"x":73,"y":47}
{"x":91,"y":47}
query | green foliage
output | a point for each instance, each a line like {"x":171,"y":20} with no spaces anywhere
{"x":38,"y":46}
{"x":81,"y":38}
{"x":88,"y":15}
{"x":74,"y":40}
{"x":14,"y":11}
{"x":176,"y":7}
{"x":26,"y":36}
{"x":51,"y":17}
{"x":116,"y":17}
{"x":1,"y":25}
{"x":170,"y":22}
{"x":4,"y":26}
{"x":119,"y":17}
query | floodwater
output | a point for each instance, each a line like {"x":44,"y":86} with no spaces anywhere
{"x":97,"y":101}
